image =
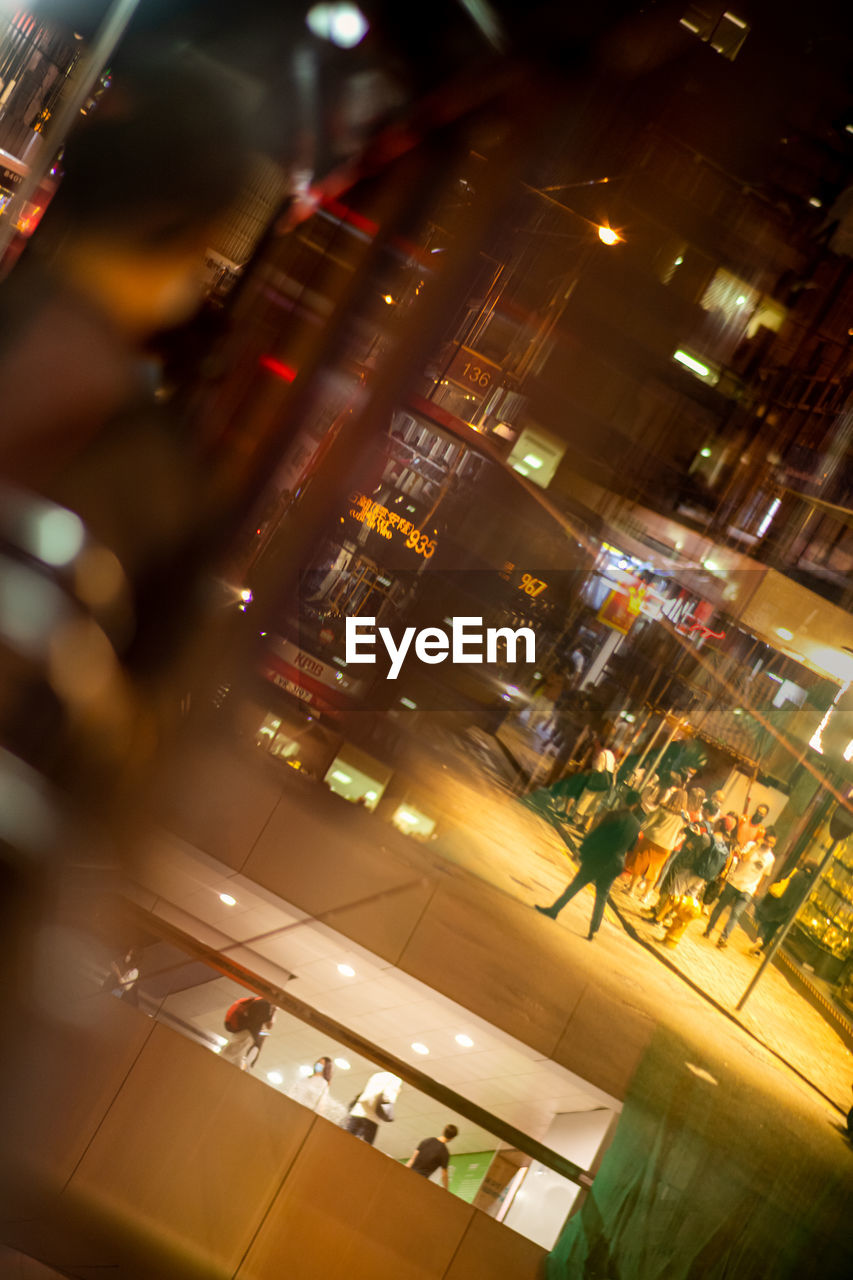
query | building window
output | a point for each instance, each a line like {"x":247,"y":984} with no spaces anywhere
{"x":725,"y":32}
{"x":733,"y":300}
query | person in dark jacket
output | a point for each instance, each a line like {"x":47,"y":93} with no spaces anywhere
{"x":772,"y":912}
{"x":602,"y":859}
{"x":703,"y":856}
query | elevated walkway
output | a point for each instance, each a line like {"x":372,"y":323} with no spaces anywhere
{"x":140,"y":1154}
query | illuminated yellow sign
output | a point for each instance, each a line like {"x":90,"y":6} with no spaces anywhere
{"x":386,"y":523}
{"x":529,"y":585}
{"x":532,"y":586}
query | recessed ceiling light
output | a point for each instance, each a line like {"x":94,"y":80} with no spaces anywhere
{"x":306,"y":1070}
{"x":275,"y":1077}
{"x":784,"y":633}
{"x":465,"y":1041}
{"x":227,"y":899}
{"x":420,"y":1048}
{"x":346,"y":971}
{"x":342,"y":1064}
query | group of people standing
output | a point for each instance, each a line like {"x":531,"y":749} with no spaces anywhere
{"x":673,"y":842}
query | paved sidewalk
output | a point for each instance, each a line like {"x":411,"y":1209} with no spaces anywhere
{"x":777,"y":1012}
{"x":492,"y":834}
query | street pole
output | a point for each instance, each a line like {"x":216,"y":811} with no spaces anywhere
{"x":650,"y":771}
{"x":650,"y":743}
{"x":840,"y":827}
{"x":109,"y":34}
{"x":782,"y":933}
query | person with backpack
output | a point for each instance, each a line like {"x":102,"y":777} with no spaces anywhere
{"x":678,"y":872}
{"x":752,"y":867}
{"x":599,"y":781}
{"x":248,"y":1021}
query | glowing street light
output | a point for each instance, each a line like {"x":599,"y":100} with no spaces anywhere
{"x":343,"y":24}
{"x":608,"y":236}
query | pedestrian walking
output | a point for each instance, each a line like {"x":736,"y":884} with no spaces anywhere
{"x":123,"y":976}
{"x":775,"y":909}
{"x":374,"y":1105}
{"x":752,"y":866}
{"x":599,"y":781}
{"x":658,"y":837}
{"x":248,"y":1021}
{"x":431,"y":1154}
{"x":311,"y":1091}
{"x":602,"y":859}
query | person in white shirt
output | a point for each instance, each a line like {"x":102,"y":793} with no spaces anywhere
{"x":311,"y":1091}
{"x":754,"y":864}
{"x":373,"y":1104}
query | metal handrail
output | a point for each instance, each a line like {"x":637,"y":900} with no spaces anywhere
{"x":358,"y":1044}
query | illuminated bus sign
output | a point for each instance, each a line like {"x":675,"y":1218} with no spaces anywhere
{"x":474,"y":372}
{"x":388,"y":523}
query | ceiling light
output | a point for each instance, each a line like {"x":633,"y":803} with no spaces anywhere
{"x":608,"y":236}
{"x":465,"y":1041}
{"x":740,"y":300}
{"x":227,"y":899}
{"x":678,"y":261}
{"x":533,"y":461}
{"x":341,"y":777}
{"x":342,"y":1064}
{"x":346,"y":971}
{"x":704,"y":453}
{"x":815,"y":203}
{"x":275,"y":1077}
{"x":305,"y":1071}
{"x":784,"y":633}
{"x":420,"y":1048}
